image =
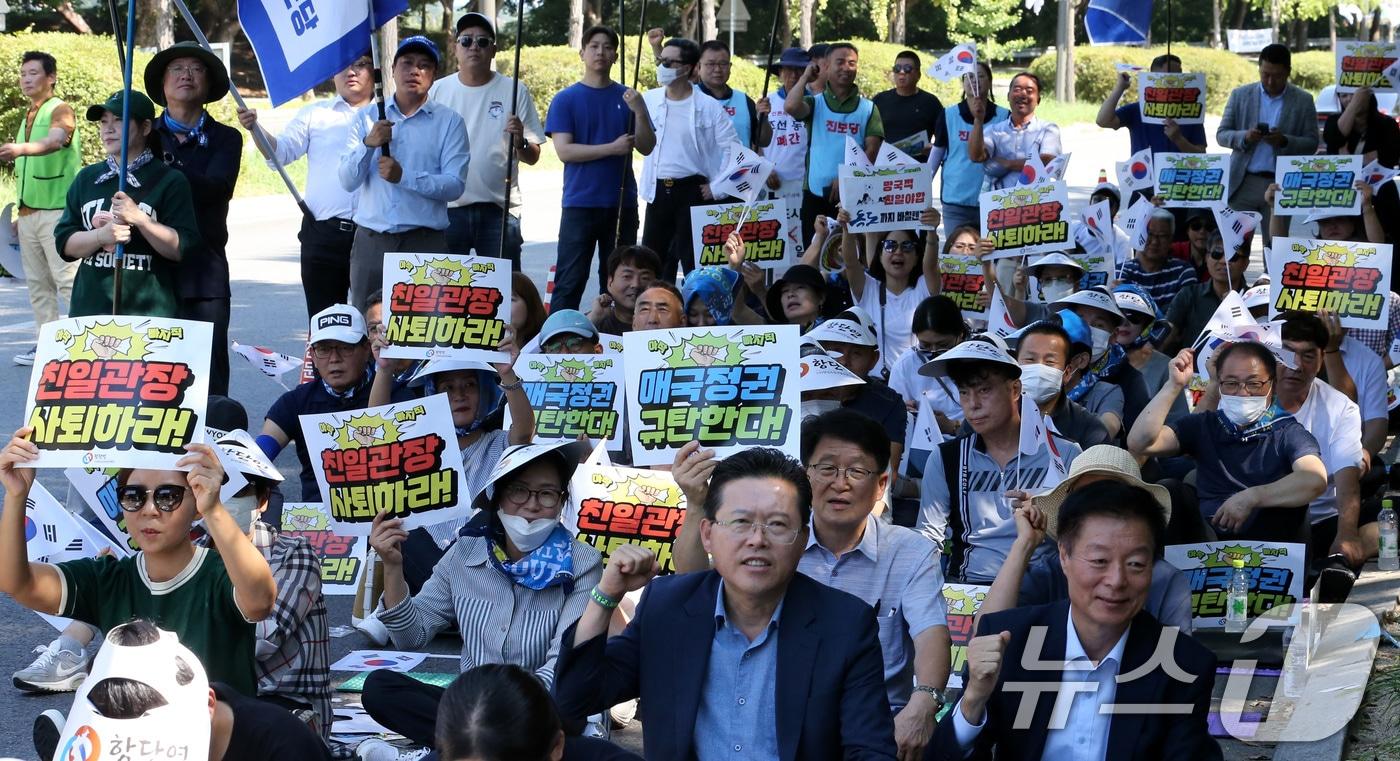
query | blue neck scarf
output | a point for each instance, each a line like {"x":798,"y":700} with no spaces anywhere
{"x":549,"y":564}
{"x":1106,"y":366}
{"x":193,"y":132}
{"x":131,"y":167}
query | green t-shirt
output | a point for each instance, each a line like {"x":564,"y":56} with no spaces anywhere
{"x":197,"y":605}
{"x":149,"y":279}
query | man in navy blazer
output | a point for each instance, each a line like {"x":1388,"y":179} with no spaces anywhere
{"x":748,"y":661}
{"x":1130,"y":687}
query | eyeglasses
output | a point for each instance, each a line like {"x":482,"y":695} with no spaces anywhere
{"x":963,"y":247}
{"x":570,"y":344}
{"x":519,"y":494}
{"x":829,"y":472}
{"x":1252,"y":386}
{"x":742,"y":528}
{"x":1140,"y":319}
{"x":902,"y":245}
{"x":482,"y":42}
{"x":167,"y":497}
{"x":194,"y":70}
{"x":326,"y":348}
{"x":716,"y":65}
{"x":902,"y":68}
{"x":375,"y":328}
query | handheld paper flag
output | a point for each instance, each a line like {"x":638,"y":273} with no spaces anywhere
{"x":1135,"y":222}
{"x":1237,"y":228}
{"x":742,"y":176}
{"x":962,"y":59}
{"x":1033,"y":171}
{"x":998,"y":319}
{"x":1057,"y":166}
{"x":1392,"y":73}
{"x":1377,"y":174}
{"x":301,"y":47}
{"x":1032,"y":426}
{"x":272,"y":363}
{"x":855,"y":155}
{"x":1099,"y":224}
{"x":1135,"y":173}
{"x":891,"y":156}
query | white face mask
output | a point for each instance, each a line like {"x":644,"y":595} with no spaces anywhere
{"x":813,"y":407}
{"x":1041,"y":382}
{"x":1100,"y":339}
{"x":1056,"y":290}
{"x":243,"y":509}
{"x":1242,"y":410}
{"x":666,"y":75}
{"x":527,"y":534}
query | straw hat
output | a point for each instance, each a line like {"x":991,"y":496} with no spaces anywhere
{"x":1106,"y":460}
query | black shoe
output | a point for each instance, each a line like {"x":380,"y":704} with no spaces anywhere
{"x":48,"y":728}
{"x":1334,"y":582}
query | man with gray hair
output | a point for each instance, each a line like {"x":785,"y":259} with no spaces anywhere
{"x":1153,"y":268}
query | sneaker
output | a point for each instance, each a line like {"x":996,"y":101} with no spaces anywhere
{"x":597,"y":727}
{"x":54,"y":670}
{"x":48,"y":727}
{"x":622,"y":714}
{"x":375,"y":749}
{"x":26,"y":357}
{"x":374,"y":629}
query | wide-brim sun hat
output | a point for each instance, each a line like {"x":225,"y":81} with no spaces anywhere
{"x":570,"y":453}
{"x":1105,"y":460}
{"x":216,"y":76}
{"x":976,"y":349}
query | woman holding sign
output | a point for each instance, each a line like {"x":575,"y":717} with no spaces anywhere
{"x":513,"y":582}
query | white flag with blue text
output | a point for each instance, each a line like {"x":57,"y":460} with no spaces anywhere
{"x":302,"y":43}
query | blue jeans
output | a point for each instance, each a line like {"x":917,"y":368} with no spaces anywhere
{"x":477,"y":227}
{"x":956,"y":215}
{"x":581,"y":231}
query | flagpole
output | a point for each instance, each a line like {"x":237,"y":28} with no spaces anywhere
{"x":378,"y":71}
{"x":510,"y":151}
{"x":116,"y":32}
{"x":772,"y":37}
{"x":119,"y":253}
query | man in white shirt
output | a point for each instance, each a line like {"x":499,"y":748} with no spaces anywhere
{"x":787,"y":148}
{"x":483,"y":99}
{"x":693,"y":135}
{"x":318,"y":132}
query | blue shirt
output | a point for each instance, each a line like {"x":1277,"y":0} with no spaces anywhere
{"x":1154,"y":136}
{"x":1270,"y":111}
{"x":1005,"y":141}
{"x":593,"y":116}
{"x":430,"y":146}
{"x":738,"y":715}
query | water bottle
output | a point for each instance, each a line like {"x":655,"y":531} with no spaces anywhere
{"x":1237,"y":599}
{"x":1388,"y":560}
{"x":1295,"y":661}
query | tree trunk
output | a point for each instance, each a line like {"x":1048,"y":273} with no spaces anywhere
{"x":708,"y":28}
{"x":1376,"y":24}
{"x":449,"y":27}
{"x":1240,"y":8}
{"x":1332,"y":29}
{"x":1064,"y":53}
{"x":1215,"y":24}
{"x":804,"y":33}
{"x":1363,"y":23}
{"x":1300,"y":34}
{"x":155,"y":24}
{"x":576,"y":24}
{"x":896,"y":30}
{"x":74,"y":19}
{"x":1273,"y":18}
{"x":388,"y":40}
{"x":486,"y":8}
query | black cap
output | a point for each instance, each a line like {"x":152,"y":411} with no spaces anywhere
{"x":216,"y":78}
{"x":475,"y":19}
{"x":798,"y":274}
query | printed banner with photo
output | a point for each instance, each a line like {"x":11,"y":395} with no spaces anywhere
{"x":445,"y":305}
{"x":1275,"y":576}
{"x":1192,"y":180}
{"x":342,"y":557}
{"x":402,"y":458}
{"x":728,"y":387}
{"x":1317,"y":183}
{"x":1027,"y":219}
{"x":118,"y":391}
{"x":963,"y":282}
{"x":611,"y":506}
{"x":573,"y":395}
{"x":1351,"y":280}
{"x":1363,"y":64}
{"x":1178,"y":96}
{"x":764,"y":230}
{"x":885,"y":197}
{"x":54,"y":535}
{"x":963,"y":601}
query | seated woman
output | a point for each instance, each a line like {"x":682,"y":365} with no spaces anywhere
{"x":97,"y":217}
{"x":212,"y":601}
{"x":513,"y":582}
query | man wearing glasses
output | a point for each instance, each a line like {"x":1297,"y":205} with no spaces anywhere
{"x":753,"y":659}
{"x":1192,"y":308}
{"x":911,"y":115}
{"x":715,"y":68}
{"x":318,"y":132}
{"x":1154,"y":269}
{"x":483,"y":99}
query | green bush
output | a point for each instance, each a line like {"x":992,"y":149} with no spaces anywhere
{"x":1094,"y":72}
{"x":1314,"y":70}
{"x":873,"y":75}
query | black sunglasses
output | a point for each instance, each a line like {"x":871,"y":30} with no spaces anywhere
{"x":1219,"y":253}
{"x":902,"y":68}
{"x":1199,"y":224}
{"x":482,"y":42}
{"x":167,"y":497}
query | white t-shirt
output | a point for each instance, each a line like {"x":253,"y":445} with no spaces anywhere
{"x":940,"y":393}
{"x":1335,"y":421}
{"x":788,"y":147}
{"x":1367,"y":371}
{"x":485,"y":110}
{"x":676,"y":156}
{"x":894,"y":322}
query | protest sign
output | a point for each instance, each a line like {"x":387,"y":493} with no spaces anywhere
{"x":1178,"y":96}
{"x":1026,"y":219}
{"x":342,"y":557}
{"x":763,"y":228}
{"x":573,"y":395}
{"x":402,"y":458}
{"x":611,"y":506}
{"x":1363,"y":64}
{"x":444,"y":305}
{"x":914,"y":144}
{"x":1192,"y":180}
{"x":728,"y":387}
{"x":963,"y":601}
{"x":1098,"y":267}
{"x":301,"y":45}
{"x":118,"y":391}
{"x":1352,"y":280}
{"x":885,"y":197}
{"x":1317,"y":183}
{"x":54,"y":535}
{"x":963,"y":280}
{"x":1248,"y":40}
{"x":1275,"y":576}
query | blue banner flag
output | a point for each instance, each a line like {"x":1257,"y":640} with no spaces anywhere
{"x":302,"y":43}
{"x":1117,"y":22}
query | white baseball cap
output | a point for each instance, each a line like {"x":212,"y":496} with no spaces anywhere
{"x":851,"y":326}
{"x":338,"y":322}
{"x":1051,"y":260}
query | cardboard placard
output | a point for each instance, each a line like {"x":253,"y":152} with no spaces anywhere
{"x":963,"y":281}
{"x":402,"y":458}
{"x":963,"y":602}
{"x":1275,"y":576}
{"x":1317,"y":183}
{"x":1178,"y":96}
{"x":1350,"y":279}
{"x":611,"y":506}
{"x":1192,"y":180}
{"x":1363,"y":64}
{"x":728,"y":387}
{"x":763,"y":228}
{"x":573,"y":395}
{"x":118,"y":391}
{"x":445,"y":305}
{"x":1027,"y":219}
{"x":885,"y":197}
{"x":342,"y":557}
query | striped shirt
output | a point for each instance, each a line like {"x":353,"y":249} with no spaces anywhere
{"x":896,"y":571}
{"x":1163,"y":285}
{"x":500,"y":621}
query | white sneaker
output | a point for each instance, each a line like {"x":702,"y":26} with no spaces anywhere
{"x":375,"y":749}
{"x":597,"y":727}
{"x":54,"y":670}
{"x":26,"y":357}
{"x":374,"y":629}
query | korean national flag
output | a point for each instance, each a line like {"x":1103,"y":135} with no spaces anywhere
{"x":961,"y":60}
{"x":742,"y":176}
{"x":302,"y":43}
{"x":1135,"y":173}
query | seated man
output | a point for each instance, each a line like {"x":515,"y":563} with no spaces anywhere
{"x":1109,"y":386}
{"x":1098,"y":650}
{"x":1192,"y":307}
{"x":630,"y":270}
{"x":1154,"y":268}
{"x":963,"y":491}
{"x":744,"y":660}
{"x":658,"y":306}
{"x":1049,"y":352}
{"x":1257,"y":468}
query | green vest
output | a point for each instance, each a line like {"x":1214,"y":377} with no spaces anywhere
{"x":44,"y":180}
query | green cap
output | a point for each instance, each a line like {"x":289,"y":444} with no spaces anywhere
{"x":141,"y":107}
{"x":1387,"y":503}
{"x":1237,"y":562}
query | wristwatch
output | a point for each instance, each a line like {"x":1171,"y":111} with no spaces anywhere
{"x":936,"y":693}
{"x":512,"y":386}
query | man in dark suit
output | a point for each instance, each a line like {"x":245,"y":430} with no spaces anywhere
{"x":1130,"y":687}
{"x":750,"y":660}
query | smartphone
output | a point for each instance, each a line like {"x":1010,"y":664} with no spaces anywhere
{"x":1262,"y":127}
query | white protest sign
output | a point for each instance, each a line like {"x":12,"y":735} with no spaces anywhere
{"x":445,"y":305}
{"x":342,"y":557}
{"x":1026,"y":219}
{"x":964,"y":280}
{"x":891,"y":195}
{"x":1317,"y":183}
{"x":1178,"y":96}
{"x":763,"y":228}
{"x":1351,"y":280}
{"x":963,"y":601}
{"x":1192,"y":180}
{"x":573,"y":395}
{"x":611,"y":506}
{"x":1364,"y":64}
